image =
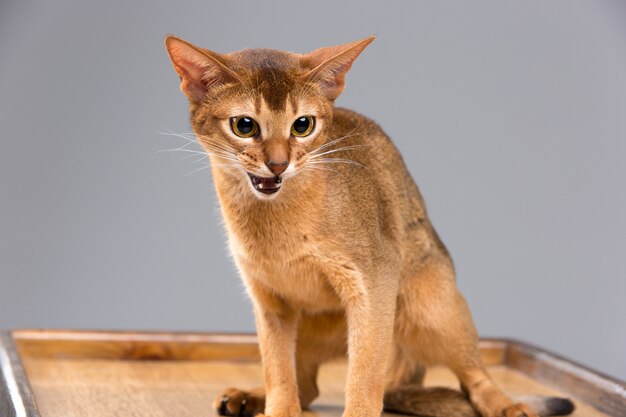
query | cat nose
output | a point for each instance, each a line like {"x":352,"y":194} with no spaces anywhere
{"x":277,"y":167}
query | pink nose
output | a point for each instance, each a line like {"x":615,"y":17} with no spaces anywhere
{"x":277,"y":167}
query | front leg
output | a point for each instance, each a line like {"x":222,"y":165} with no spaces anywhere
{"x":276,"y":324}
{"x":370,"y":307}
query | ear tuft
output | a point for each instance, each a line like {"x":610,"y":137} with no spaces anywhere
{"x":329,"y":65}
{"x":199,"y":69}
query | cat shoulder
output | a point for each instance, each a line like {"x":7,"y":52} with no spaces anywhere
{"x":346,"y":120}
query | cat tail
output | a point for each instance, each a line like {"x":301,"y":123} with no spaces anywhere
{"x":547,"y":406}
{"x":428,"y":402}
{"x":445,"y":402}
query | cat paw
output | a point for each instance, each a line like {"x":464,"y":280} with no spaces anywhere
{"x":239,"y":403}
{"x":518,"y":410}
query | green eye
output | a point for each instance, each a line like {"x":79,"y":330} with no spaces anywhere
{"x":303,"y":126}
{"x":244,"y":126}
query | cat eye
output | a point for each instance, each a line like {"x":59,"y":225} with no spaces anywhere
{"x":244,"y":126}
{"x":303,"y":126}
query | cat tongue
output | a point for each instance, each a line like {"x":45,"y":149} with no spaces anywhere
{"x":269,"y":182}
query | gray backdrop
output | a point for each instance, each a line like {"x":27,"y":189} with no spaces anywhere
{"x":510,"y":115}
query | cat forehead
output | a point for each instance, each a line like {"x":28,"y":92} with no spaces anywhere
{"x":259,"y":59}
{"x":272,"y":74}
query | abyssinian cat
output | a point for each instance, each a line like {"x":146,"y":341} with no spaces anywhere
{"x":332,"y":240}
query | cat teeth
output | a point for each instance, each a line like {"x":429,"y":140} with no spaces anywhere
{"x":265,"y":185}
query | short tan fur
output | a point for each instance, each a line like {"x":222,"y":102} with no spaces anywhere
{"x":332,"y":240}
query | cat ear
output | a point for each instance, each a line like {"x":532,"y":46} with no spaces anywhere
{"x":328,"y":66}
{"x":198,"y":69}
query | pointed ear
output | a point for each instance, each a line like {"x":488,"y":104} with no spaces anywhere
{"x":198,"y":69}
{"x":328,"y":66}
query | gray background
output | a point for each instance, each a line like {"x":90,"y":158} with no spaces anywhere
{"x":510,"y":115}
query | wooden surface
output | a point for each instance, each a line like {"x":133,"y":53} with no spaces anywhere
{"x":162,"y":374}
{"x":84,"y":387}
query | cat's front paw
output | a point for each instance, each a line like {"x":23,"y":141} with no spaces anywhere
{"x":518,"y":410}
{"x":239,"y":403}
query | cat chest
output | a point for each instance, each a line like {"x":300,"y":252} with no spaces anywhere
{"x":290,"y":269}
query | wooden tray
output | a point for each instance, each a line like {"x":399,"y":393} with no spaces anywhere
{"x":79,"y":373}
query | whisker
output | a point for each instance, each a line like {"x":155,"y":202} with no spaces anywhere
{"x":200,"y":159}
{"x":217,"y":153}
{"x":332,"y":142}
{"x":180,"y":135}
{"x":202,"y":168}
{"x":226,"y":158}
{"x":220,"y":150}
{"x":317,"y":155}
{"x":197,"y":170}
{"x":192,"y":139}
{"x":209,"y":147}
{"x":181,"y":150}
{"x":310,"y":168}
{"x":212,"y":141}
{"x":337,"y":161}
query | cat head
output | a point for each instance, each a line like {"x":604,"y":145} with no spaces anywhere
{"x":259,"y":113}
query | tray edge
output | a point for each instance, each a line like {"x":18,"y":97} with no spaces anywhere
{"x":606,"y":393}
{"x":16,"y":395}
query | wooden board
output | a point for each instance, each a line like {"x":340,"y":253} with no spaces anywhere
{"x":84,"y":374}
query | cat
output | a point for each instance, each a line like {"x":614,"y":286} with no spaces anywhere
{"x":332,"y":240}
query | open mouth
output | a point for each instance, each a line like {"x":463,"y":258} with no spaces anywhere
{"x":266,"y":185}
